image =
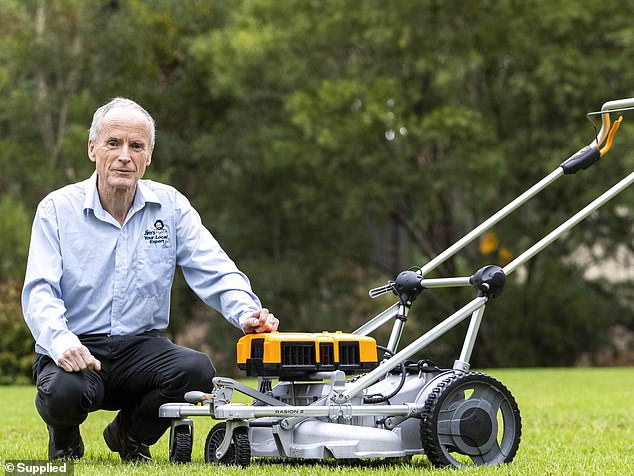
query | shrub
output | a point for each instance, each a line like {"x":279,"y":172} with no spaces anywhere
{"x":16,"y":343}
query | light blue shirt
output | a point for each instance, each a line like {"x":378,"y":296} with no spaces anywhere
{"x":87,"y":274}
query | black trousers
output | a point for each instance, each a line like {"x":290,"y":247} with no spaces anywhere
{"x":138,"y":374}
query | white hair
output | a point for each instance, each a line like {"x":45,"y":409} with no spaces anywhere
{"x":97,"y":118}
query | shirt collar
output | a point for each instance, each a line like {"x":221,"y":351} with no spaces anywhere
{"x":142,"y":196}
{"x":145,"y":194}
{"x":91,"y":196}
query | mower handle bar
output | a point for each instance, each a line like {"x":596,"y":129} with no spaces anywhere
{"x":608,"y":107}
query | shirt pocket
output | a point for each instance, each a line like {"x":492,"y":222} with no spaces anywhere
{"x":153,"y":272}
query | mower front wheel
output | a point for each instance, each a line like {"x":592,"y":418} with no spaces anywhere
{"x":181,"y":444}
{"x":239,"y":451}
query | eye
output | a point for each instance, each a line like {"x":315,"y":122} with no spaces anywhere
{"x":112,"y":143}
{"x":137,"y":146}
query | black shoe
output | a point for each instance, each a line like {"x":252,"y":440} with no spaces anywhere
{"x":119,"y":438}
{"x":64,"y":443}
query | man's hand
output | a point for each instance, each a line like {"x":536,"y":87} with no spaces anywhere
{"x":260,"y":321}
{"x":78,"y":358}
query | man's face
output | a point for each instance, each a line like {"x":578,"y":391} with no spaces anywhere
{"x":121,"y":151}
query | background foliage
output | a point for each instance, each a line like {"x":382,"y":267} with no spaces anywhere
{"x":330,"y":144}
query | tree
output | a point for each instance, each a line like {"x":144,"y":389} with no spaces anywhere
{"x":330,"y":144}
{"x":426,"y":116}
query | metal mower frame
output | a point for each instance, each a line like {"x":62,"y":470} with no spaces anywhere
{"x":401,"y":408}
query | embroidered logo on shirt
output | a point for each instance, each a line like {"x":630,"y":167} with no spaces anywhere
{"x":158,"y":235}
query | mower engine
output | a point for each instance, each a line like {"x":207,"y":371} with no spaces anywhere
{"x":295,"y":356}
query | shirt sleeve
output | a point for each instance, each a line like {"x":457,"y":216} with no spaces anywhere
{"x":208,"y":270}
{"x":42,"y":302}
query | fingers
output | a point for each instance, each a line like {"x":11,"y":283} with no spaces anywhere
{"x":261,"y":321}
{"x":96,"y":365}
{"x":78,"y":358}
{"x":270,"y":324}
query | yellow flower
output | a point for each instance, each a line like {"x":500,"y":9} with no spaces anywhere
{"x":489,"y":243}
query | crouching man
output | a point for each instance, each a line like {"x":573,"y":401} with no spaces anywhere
{"x":97,"y":293}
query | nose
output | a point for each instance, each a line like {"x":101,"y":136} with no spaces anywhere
{"x":124,"y":156}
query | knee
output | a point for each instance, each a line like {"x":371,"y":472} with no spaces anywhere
{"x":196,"y":372}
{"x":64,"y":400}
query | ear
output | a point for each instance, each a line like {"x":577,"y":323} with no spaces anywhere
{"x":91,"y":151}
{"x":149,"y":159}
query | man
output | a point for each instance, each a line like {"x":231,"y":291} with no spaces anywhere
{"x":97,"y":292}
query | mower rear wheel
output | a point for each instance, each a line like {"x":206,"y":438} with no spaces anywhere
{"x":239,"y":451}
{"x":470,"y":419}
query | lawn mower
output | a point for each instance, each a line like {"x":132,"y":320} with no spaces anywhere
{"x":340,"y":395}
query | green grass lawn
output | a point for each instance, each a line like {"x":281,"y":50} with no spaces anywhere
{"x":575,"y":422}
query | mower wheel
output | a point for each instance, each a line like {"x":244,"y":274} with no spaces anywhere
{"x":470,"y":419}
{"x":182,"y":442}
{"x":239,"y":451}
